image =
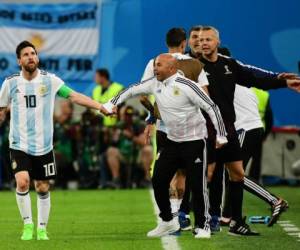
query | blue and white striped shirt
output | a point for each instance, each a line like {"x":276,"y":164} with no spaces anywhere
{"x":31,"y":107}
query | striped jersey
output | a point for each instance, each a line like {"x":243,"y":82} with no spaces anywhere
{"x":179,"y":101}
{"x":31,"y":111}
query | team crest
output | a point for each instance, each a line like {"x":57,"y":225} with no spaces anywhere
{"x":176,"y":91}
{"x":42,"y":90}
{"x":14,"y":165}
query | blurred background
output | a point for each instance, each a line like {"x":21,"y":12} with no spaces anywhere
{"x":75,"y":38}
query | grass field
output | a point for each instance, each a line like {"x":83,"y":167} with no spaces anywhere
{"x":121,"y":219}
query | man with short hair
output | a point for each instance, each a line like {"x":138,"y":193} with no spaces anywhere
{"x":192,"y":69}
{"x":178,"y":100}
{"x":31,"y":95}
{"x":223,"y":73}
{"x":104,"y":91}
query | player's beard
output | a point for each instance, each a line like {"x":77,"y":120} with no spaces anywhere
{"x":31,"y":67}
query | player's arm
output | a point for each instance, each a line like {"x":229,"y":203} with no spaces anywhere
{"x":203,"y":81}
{"x":153,"y":109}
{"x":80,"y":99}
{"x":144,"y":99}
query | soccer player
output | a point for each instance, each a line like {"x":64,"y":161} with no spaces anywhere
{"x":31,"y":95}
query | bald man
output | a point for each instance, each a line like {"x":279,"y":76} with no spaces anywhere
{"x":179,"y":101}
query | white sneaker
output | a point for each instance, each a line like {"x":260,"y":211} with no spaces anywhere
{"x":165,"y":228}
{"x":202,"y":234}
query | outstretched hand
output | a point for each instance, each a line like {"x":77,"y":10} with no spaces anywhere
{"x":294,"y":84}
{"x":108,"y":109}
{"x":288,"y":76}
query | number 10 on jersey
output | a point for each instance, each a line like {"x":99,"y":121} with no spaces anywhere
{"x":30,"y":101}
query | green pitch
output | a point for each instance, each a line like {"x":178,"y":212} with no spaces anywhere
{"x":120,"y":220}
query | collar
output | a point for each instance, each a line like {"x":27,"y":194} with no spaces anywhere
{"x":205,"y":61}
{"x":36,"y":77}
{"x":170,"y":79}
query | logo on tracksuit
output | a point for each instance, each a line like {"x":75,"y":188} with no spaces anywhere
{"x":227,"y":71}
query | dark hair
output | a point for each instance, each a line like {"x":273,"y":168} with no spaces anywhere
{"x":103,"y":72}
{"x":175,"y":37}
{"x":195,"y":28}
{"x":24,"y":45}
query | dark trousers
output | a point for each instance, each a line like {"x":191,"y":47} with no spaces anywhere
{"x":190,"y":155}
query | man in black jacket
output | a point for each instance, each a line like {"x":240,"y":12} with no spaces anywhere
{"x":223,"y":73}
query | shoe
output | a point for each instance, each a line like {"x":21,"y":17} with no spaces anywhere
{"x":241,"y":229}
{"x":184,"y":221}
{"x":277,"y":209}
{"x":215,"y":224}
{"x":27,"y":232}
{"x":42,"y":234}
{"x":164,"y":228}
{"x":202,"y":234}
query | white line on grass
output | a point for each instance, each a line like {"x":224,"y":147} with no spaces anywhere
{"x":168,"y":242}
{"x":290,"y":229}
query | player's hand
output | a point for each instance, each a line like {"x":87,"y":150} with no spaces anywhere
{"x":287,"y":76}
{"x":221,"y":141}
{"x":108,"y":109}
{"x":104,"y":111}
{"x":294,"y":84}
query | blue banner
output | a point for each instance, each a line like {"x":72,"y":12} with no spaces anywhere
{"x":66,"y":37}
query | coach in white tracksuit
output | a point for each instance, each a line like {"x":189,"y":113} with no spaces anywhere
{"x":179,"y":100}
